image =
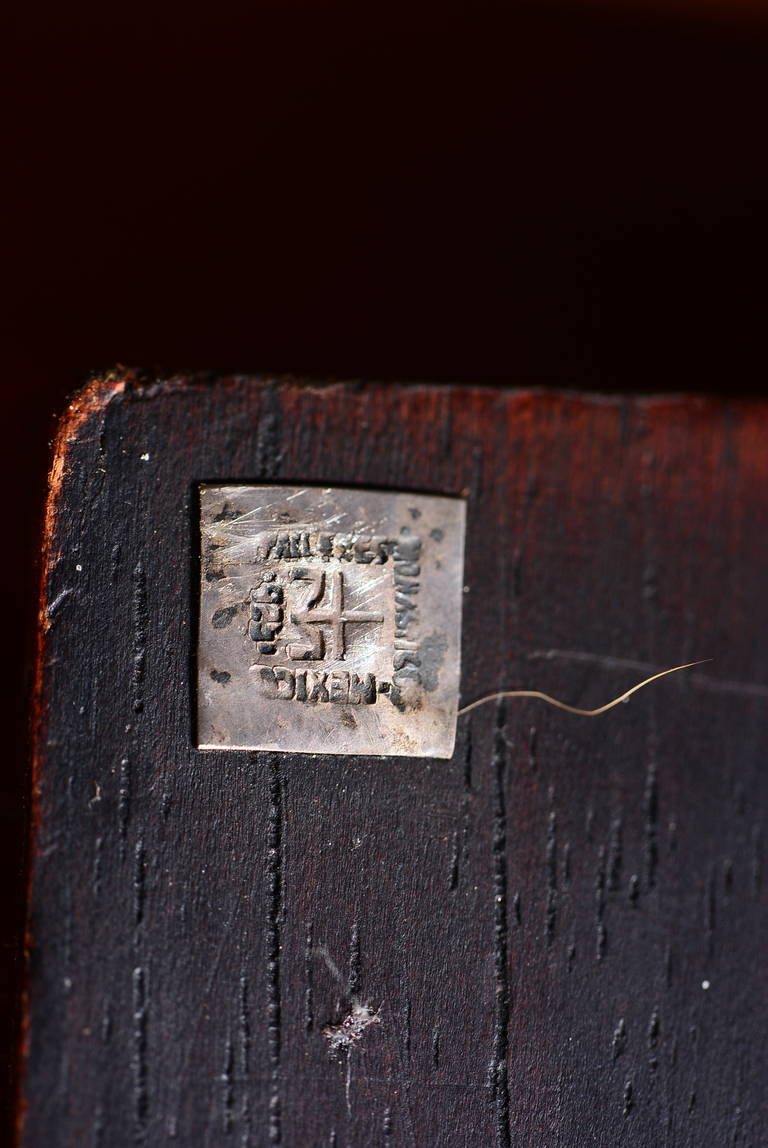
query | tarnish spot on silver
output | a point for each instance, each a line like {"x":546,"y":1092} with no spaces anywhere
{"x":432,"y":650}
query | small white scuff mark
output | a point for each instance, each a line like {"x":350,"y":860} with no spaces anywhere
{"x":343,"y":1036}
{"x":144,"y":457}
{"x":53,"y":607}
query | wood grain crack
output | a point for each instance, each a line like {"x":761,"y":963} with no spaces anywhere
{"x":498,"y":1069}
{"x":274,"y":906}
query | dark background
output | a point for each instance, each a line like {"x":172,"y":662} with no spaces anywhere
{"x":568,"y":195}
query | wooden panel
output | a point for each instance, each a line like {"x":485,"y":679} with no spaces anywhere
{"x":563,"y":926}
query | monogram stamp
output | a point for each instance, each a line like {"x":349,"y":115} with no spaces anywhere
{"x":330,"y":620}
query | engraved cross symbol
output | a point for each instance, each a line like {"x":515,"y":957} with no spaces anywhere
{"x":334,"y":614}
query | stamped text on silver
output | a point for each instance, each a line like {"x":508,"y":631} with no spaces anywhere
{"x":330,"y":620}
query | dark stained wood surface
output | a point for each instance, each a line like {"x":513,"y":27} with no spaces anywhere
{"x":563,"y":927}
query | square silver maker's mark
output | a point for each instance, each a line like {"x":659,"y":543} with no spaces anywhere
{"x":330,"y":620}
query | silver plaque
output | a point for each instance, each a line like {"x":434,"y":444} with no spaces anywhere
{"x":330,"y":620}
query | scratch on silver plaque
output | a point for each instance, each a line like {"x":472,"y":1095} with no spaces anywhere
{"x":330,"y":620}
